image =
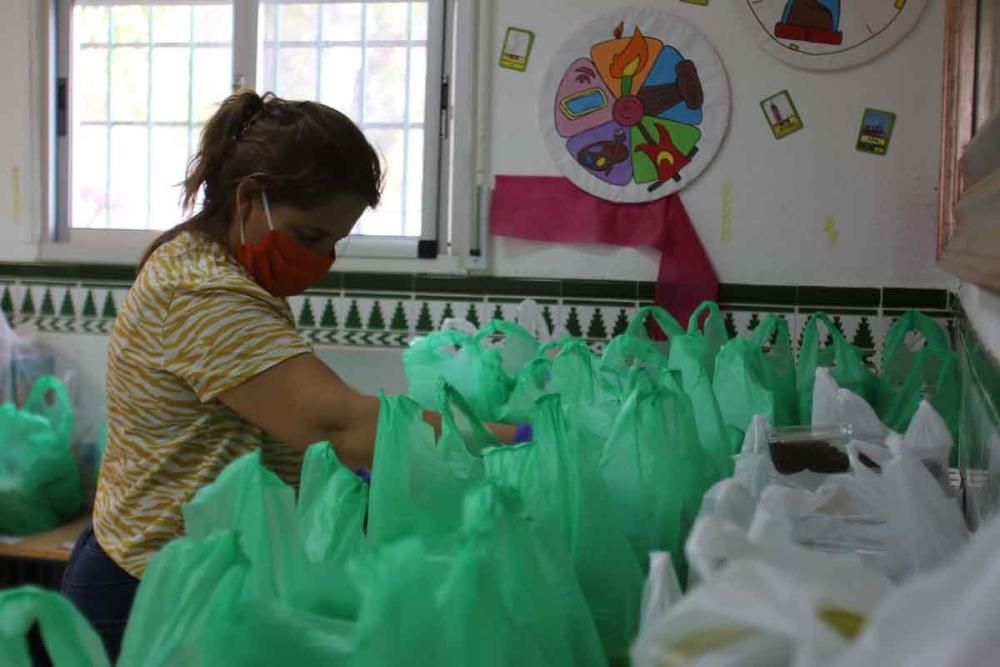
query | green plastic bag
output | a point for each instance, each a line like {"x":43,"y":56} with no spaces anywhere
{"x":780,"y":371}
{"x":417,"y":484}
{"x":532,"y":382}
{"x":638,"y":327}
{"x":846,"y":364}
{"x":742,"y":384}
{"x":185,"y":593}
{"x":564,"y":494}
{"x":239,"y":588}
{"x":897,"y":358}
{"x":909,"y":376}
{"x":515,"y":345}
{"x":654,"y":469}
{"x":333,"y":502}
{"x":588,"y":400}
{"x":496,"y":593}
{"x":39,"y":479}
{"x":457,"y":358}
{"x":69,"y":640}
{"x":692,"y":359}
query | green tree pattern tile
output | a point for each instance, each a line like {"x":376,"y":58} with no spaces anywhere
{"x":89,"y":307}
{"x":472,"y":316}
{"x":48,"y":308}
{"x":863,"y":337}
{"x":306,"y":317}
{"x":498,"y":313}
{"x":549,"y":321}
{"x":67,"y":309}
{"x":27,"y":303}
{"x":376,"y":321}
{"x":448,"y":313}
{"x":353,"y":320}
{"x":621,"y":323}
{"x":399,"y":321}
{"x":328,"y":320}
{"x":753,"y":323}
{"x":424,"y":321}
{"x":573,"y":323}
{"x":596,"y":329}
{"x":109,"y":311}
{"x":730,"y":324}
{"x":7,"y":303}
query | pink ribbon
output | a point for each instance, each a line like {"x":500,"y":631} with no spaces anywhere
{"x":551,"y":209}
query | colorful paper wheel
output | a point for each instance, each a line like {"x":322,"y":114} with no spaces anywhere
{"x":641,"y":105}
{"x":829,"y":34}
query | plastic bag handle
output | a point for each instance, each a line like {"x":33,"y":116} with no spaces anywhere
{"x":762,"y":334}
{"x":913,"y":320}
{"x":60,"y":412}
{"x":694,"y":322}
{"x":449,"y":402}
{"x":69,"y":639}
{"x":565,"y":343}
{"x":664,"y":319}
{"x":839,"y":340}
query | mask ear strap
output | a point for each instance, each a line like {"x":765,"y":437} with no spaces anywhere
{"x":243,"y":227}
{"x":267,"y":210}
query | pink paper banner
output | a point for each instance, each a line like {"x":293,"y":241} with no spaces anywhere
{"x":552,"y":209}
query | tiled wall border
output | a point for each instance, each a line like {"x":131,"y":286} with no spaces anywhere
{"x":387,"y":310}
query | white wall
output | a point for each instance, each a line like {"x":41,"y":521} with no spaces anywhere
{"x":20,"y":180}
{"x":983,"y":310}
{"x":885,"y":207}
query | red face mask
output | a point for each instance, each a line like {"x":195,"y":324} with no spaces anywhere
{"x":279,"y":263}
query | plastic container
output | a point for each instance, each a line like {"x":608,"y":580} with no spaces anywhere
{"x":821,"y":449}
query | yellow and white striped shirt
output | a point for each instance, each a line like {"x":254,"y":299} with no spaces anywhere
{"x":193,"y":326}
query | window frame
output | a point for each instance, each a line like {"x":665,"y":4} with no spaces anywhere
{"x":969,"y":182}
{"x":438,"y":248}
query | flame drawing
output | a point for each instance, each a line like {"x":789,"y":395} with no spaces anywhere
{"x":632,"y":59}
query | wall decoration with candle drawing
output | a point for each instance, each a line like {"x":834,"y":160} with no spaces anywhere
{"x":829,"y":34}
{"x":635,"y":105}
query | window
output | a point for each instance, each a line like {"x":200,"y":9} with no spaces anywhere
{"x":143,"y":76}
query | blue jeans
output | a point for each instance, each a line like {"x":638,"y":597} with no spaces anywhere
{"x":102,"y":591}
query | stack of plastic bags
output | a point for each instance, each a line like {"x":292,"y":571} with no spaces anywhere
{"x":788,"y":567}
{"x":39,"y":478}
{"x":472,"y":555}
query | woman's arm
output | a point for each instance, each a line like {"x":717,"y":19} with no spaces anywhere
{"x":301,"y":401}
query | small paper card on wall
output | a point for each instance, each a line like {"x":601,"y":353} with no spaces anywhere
{"x":517,"y":49}
{"x":781,"y":114}
{"x":876,"y":130}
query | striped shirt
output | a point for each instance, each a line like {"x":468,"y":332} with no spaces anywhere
{"x":193,"y":326}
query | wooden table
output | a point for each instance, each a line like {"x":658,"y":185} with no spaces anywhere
{"x":54,"y":545}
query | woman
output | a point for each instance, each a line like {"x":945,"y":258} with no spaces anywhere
{"x":204,"y":363}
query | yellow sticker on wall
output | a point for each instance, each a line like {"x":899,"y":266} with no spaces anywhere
{"x":15,"y":189}
{"x":517,"y":49}
{"x":832,"y":233}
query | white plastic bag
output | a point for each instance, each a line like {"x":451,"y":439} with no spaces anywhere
{"x":760,"y":605}
{"x":926,"y":527}
{"x":754,"y":468}
{"x":928,"y":439}
{"x":946,"y":617}
{"x":834,"y":406}
{"x":23,"y":359}
{"x":662,"y":589}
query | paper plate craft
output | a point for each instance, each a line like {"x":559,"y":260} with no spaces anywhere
{"x":829,"y":34}
{"x":635,"y":105}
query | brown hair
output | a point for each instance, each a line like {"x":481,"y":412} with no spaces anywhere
{"x":299,"y":152}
